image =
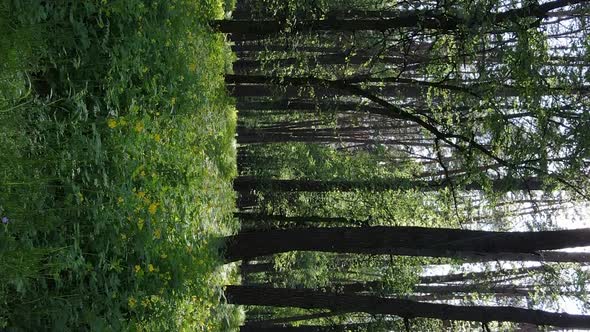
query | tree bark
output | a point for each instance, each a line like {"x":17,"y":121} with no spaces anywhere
{"x":412,"y":19}
{"x":455,"y":277}
{"x":407,"y":241}
{"x":358,"y":327}
{"x":295,"y":219}
{"x":283,"y":320}
{"x":248,"y":183}
{"x":310,"y":299}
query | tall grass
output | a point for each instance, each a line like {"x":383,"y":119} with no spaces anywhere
{"x":116,"y":145}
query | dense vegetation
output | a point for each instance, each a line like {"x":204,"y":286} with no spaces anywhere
{"x":116,"y":136}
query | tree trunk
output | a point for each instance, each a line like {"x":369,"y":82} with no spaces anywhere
{"x":310,"y":299}
{"x":485,"y":275}
{"x":249,"y":183}
{"x":412,"y":19}
{"x":283,"y":320}
{"x":253,"y":65}
{"x":295,"y":219}
{"x":256,"y":268}
{"x":358,"y":327}
{"x":407,"y":241}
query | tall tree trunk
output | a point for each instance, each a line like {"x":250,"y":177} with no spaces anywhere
{"x":268,"y":47}
{"x":310,"y":299}
{"x":265,"y":28}
{"x":290,"y":319}
{"x":411,"y":19}
{"x":484,"y":275}
{"x":408,"y":241}
{"x":358,"y":327}
{"x":295,"y":219}
{"x":256,"y":268}
{"x":248,"y":183}
{"x":254,"y":65}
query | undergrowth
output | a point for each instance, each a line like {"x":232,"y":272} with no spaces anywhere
{"x":116,"y":139}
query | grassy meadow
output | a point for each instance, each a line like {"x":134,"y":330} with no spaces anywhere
{"x":117,"y":154}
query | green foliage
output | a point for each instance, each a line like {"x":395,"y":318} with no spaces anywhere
{"x":117,"y":142}
{"x":321,"y":162}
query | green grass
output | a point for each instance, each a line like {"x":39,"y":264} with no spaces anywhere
{"x":116,"y":139}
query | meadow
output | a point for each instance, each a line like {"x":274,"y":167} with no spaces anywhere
{"x":117,"y":155}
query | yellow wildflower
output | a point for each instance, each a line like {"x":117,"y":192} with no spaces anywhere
{"x":157,"y":137}
{"x":151,"y":268}
{"x":137,"y":268}
{"x":139,"y":127}
{"x":141,"y":194}
{"x":140,"y":223}
{"x":145,"y":302}
{"x":152,"y":208}
{"x":120,"y":200}
{"x":132,"y":302}
{"x":112,"y":123}
{"x":157,"y":233}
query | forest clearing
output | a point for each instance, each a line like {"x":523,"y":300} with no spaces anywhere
{"x":294,"y":166}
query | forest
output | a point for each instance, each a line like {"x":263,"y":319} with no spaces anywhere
{"x":294,"y":165}
{"x":410,"y":165}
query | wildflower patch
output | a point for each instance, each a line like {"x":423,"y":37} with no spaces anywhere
{"x":112,"y":187}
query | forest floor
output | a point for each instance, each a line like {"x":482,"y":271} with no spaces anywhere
{"x":117,"y":145}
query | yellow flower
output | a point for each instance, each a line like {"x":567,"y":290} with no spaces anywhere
{"x":139,"y":127}
{"x":142,"y":173}
{"x":157,"y":137}
{"x":145,"y":302}
{"x":120,"y":200}
{"x":132,"y":302}
{"x":140,"y":222}
{"x":152,"y":208}
{"x":137,"y":268}
{"x":112,"y":123}
{"x":157,"y":233}
{"x":141,"y":194}
{"x":151,"y":268}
